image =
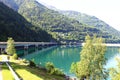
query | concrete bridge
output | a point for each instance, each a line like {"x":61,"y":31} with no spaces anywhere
{"x":30,"y":43}
{"x":26,"y":45}
{"x":3,"y":44}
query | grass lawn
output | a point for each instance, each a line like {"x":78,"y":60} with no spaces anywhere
{"x":6,"y":73}
{"x":32,"y":73}
{"x":27,"y":72}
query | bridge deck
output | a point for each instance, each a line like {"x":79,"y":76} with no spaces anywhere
{"x":4,"y":43}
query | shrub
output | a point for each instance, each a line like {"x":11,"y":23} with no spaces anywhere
{"x":50,"y":67}
{"x":32,"y":63}
{"x":15,"y":56}
{"x":58,"y":72}
{"x":52,"y":70}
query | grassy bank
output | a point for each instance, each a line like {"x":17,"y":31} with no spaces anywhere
{"x":27,"y":72}
{"x":33,"y":73}
{"x":6,"y":73}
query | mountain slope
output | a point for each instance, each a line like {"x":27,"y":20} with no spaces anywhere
{"x":91,"y":21}
{"x":62,"y":28}
{"x":14,"y":25}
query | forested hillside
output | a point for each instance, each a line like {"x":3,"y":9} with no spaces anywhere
{"x":61,"y":27}
{"x":91,"y":21}
{"x":14,"y":25}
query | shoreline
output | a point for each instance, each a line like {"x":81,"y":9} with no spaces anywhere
{"x":108,"y":44}
{"x":113,"y":45}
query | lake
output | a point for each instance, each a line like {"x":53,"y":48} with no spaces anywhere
{"x":63,"y":56}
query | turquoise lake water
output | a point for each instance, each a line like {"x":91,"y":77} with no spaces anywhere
{"x":63,"y":56}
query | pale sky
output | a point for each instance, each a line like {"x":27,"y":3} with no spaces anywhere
{"x":106,"y":10}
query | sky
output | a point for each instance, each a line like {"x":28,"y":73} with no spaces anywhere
{"x":106,"y":10}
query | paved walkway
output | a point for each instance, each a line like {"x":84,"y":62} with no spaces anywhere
{"x":0,"y":73}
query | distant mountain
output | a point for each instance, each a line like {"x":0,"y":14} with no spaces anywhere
{"x":88,"y":20}
{"x":48,"y":6}
{"x":14,"y":25}
{"x":91,"y":21}
{"x":61,"y":27}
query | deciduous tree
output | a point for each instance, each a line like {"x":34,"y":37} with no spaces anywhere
{"x":115,"y":72}
{"x":10,"y":47}
{"x":92,"y":60}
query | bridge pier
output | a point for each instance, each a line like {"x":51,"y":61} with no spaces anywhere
{"x":2,"y":50}
{"x":36,"y":47}
{"x":25,"y":49}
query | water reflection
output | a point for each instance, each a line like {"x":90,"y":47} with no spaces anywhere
{"x":63,"y":56}
{"x":111,"y":54}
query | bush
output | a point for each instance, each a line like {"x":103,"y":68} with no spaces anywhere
{"x":52,"y":70}
{"x":58,"y":72}
{"x":15,"y":56}
{"x":50,"y":67}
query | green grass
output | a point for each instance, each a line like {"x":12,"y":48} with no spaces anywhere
{"x":32,"y":73}
{"x":27,"y":72}
{"x":23,"y":73}
{"x":6,"y":73}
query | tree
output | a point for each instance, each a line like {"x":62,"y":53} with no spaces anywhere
{"x":115,"y":72}
{"x":90,"y":67}
{"x":10,"y":47}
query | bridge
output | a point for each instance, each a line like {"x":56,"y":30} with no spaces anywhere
{"x":26,"y":45}
{"x":30,"y":43}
